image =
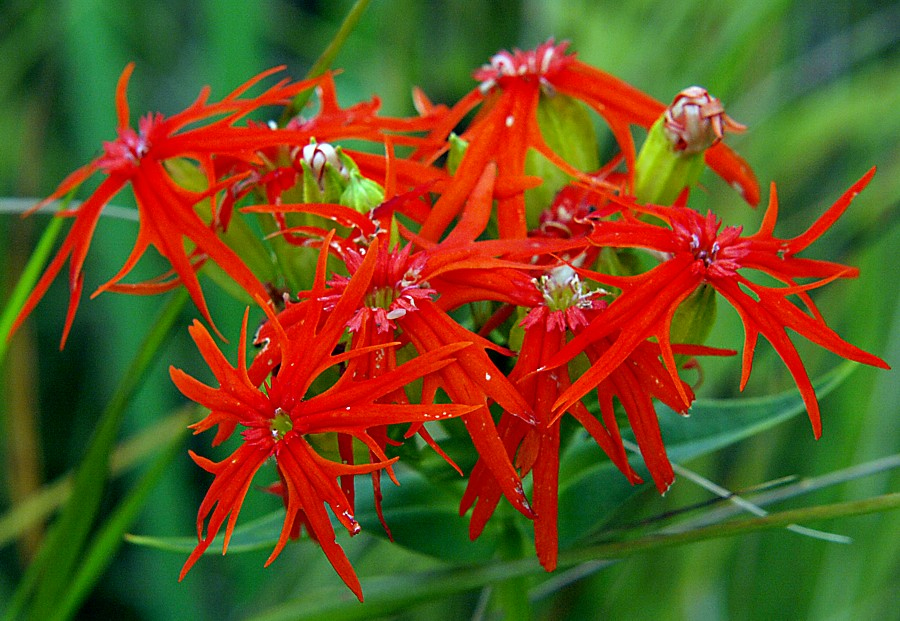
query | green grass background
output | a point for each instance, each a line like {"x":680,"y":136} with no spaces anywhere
{"x":817,"y":83}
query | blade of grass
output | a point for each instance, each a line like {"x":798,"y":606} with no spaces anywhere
{"x":617,"y":549}
{"x":38,"y":258}
{"x":49,"y":574}
{"x":26,"y":282}
{"x":19,"y":205}
{"x":129,"y":453}
{"x":803,"y":486}
{"x":110,"y":537}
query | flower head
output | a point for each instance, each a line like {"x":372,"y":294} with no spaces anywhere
{"x":568,"y":308}
{"x":541,"y":64}
{"x":506,"y":128}
{"x":696,"y":252}
{"x":167,"y":210}
{"x":279,"y":419}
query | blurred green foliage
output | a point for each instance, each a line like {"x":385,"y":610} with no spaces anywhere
{"x":819,"y":87}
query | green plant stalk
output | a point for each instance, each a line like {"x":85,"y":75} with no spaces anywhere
{"x":50,"y":573}
{"x":110,"y":537}
{"x":511,"y":595}
{"x":325,"y":59}
{"x":294,"y":272}
{"x":886,"y":502}
{"x":26,"y":282}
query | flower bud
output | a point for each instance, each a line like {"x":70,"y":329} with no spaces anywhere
{"x":671,"y":158}
{"x":696,"y":121}
{"x":324,"y":174}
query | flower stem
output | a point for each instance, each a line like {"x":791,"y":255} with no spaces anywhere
{"x":23,"y":287}
{"x":326,"y":58}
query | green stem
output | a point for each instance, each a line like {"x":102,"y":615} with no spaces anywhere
{"x":386,"y":595}
{"x":512,"y":593}
{"x":26,"y":282}
{"x":327,"y":57}
{"x":110,"y":537}
{"x":293,"y":268}
{"x":618,"y":549}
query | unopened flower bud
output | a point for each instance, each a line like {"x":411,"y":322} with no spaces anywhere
{"x":671,"y":158}
{"x":324,"y":174}
{"x":318,"y":155}
{"x":696,"y":121}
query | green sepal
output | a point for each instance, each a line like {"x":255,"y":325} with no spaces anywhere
{"x":312,"y":193}
{"x":361,"y":194}
{"x":349,"y":165}
{"x":239,"y":236}
{"x":568,"y":130}
{"x":333,"y":184}
{"x":517,"y":332}
{"x":661,"y":172}
{"x":395,"y":238}
{"x":695,"y":318}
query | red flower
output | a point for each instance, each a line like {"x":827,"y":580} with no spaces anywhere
{"x":569,"y":308}
{"x":166,"y":209}
{"x":697,"y":252}
{"x":278,"y":420}
{"x":506,"y":127}
{"x":400,"y":304}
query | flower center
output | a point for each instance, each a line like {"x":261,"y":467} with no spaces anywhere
{"x":562,"y":289}
{"x":541,"y":63}
{"x":701,"y":253}
{"x":719,"y":254}
{"x":565,"y":301}
{"x":281,"y":424}
{"x":383,"y":297}
{"x":125,"y":153}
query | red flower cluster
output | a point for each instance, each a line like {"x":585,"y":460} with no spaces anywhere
{"x":380,"y":259}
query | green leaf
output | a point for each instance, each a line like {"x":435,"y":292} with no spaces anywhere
{"x":44,"y":502}
{"x":585,"y":473}
{"x":421,"y":516}
{"x":424,"y":517}
{"x":254,"y":535}
{"x":385,"y":595}
{"x":109,"y":538}
{"x":26,"y":281}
